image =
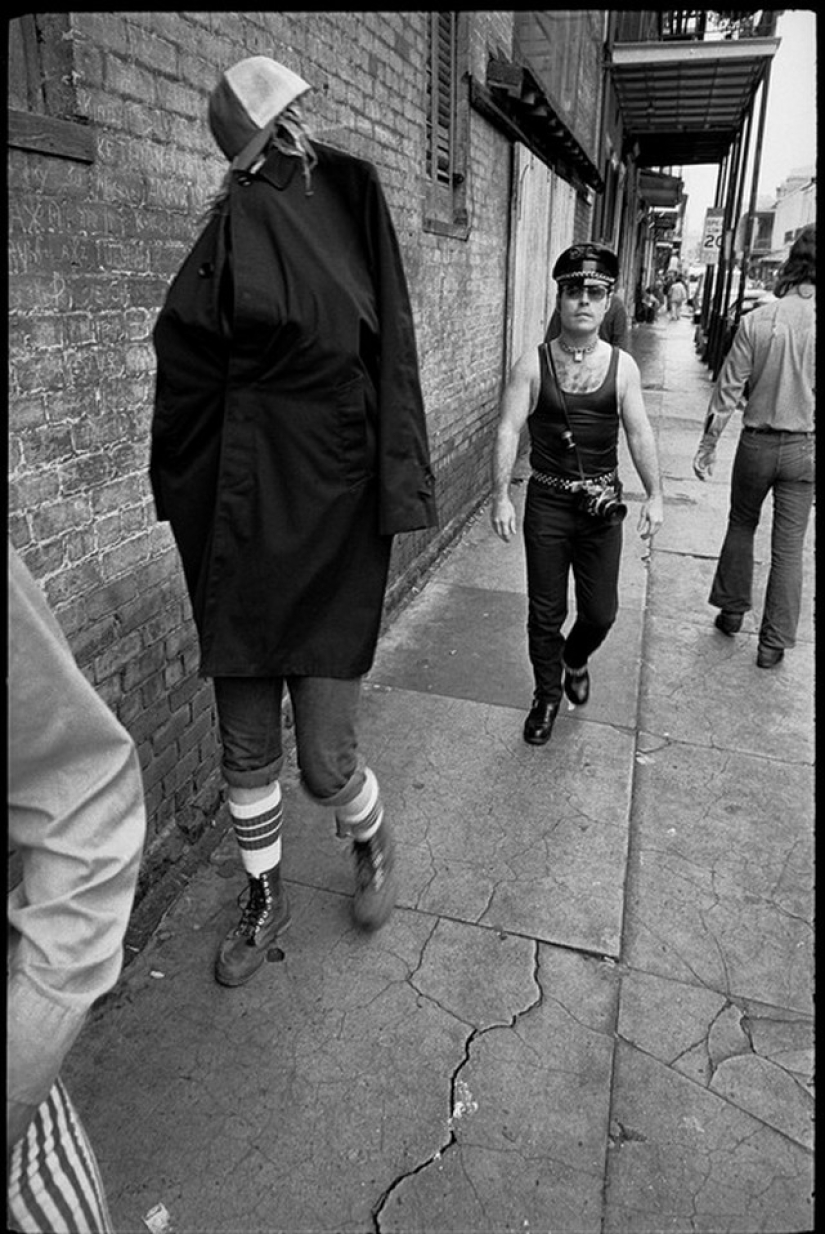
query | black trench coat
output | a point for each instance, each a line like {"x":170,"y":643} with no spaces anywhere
{"x":289,"y":442}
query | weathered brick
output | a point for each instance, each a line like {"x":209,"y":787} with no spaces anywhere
{"x":124,"y":557}
{"x":111,"y":598}
{"x":55,"y":517}
{"x":155,"y":766}
{"x":195,"y":732}
{"x":80,"y":474}
{"x":182,"y":775}
{"x":169,"y":732}
{"x":142,"y":666}
{"x":117,"y":655}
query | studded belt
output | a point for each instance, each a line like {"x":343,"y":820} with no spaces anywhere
{"x":573,"y":486}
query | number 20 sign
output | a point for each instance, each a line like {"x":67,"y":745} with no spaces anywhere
{"x":712,"y":236}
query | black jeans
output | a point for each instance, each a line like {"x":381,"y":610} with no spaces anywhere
{"x":559,"y":537}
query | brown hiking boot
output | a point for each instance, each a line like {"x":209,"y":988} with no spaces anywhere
{"x":375,"y":883}
{"x":265,"y":915}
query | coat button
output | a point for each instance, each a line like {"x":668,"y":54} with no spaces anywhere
{"x":206,"y":271}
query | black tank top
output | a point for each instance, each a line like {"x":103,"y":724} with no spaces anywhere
{"x":594,"y":418}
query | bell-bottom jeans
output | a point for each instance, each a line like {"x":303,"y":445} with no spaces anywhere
{"x":781,"y":463}
{"x":558,"y":538}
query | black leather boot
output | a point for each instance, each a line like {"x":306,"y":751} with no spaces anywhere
{"x":265,"y":915}
{"x":539,"y":723}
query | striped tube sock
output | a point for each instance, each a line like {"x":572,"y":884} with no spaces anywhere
{"x":258,"y":831}
{"x":361,"y":817}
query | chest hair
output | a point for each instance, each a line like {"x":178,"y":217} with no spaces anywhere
{"x":584,"y":377}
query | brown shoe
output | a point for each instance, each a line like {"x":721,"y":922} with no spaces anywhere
{"x":265,"y":915}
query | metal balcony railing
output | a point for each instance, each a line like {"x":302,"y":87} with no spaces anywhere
{"x":693,"y":25}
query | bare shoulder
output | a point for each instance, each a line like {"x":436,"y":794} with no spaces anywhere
{"x":628,"y":376}
{"x":526,"y":372}
{"x":526,"y":367}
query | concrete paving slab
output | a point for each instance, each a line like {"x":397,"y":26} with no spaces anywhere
{"x":680,"y":584}
{"x":529,"y":840}
{"x":677,"y":444}
{"x":760,"y":1058}
{"x":720,"y":880}
{"x":705,"y":688}
{"x":685,"y":1160}
{"x":462,"y":642}
{"x":527,"y":1140}
{"x":484,"y":560}
{"x":696,"y":520}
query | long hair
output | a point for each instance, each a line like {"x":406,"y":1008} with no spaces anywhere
{"x":800,"y":266}
{"x":291,"y":137}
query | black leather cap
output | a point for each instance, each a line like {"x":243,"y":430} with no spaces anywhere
{"x":587,"y":261}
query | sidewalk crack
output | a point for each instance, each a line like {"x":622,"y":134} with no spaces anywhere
{"x":462,"y":1102}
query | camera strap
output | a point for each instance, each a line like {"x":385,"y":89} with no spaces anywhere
{"x":563,"y":402}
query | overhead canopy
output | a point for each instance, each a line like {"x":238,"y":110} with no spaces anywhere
{"x":513,"y":99}
{"x":685,"y":103}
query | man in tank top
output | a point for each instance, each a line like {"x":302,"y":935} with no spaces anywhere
{"x":572,"y":394}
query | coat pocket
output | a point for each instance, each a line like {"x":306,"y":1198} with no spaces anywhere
{"x":355,"y":434}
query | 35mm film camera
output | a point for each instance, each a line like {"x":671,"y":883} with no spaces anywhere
{"x":602,"y":501}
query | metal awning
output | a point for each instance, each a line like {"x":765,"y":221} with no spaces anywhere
{"x":685,"y":103}
{"x":513,"y":99}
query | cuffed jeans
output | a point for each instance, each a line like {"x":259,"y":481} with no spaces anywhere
{"x":784,"y":463}
{"x":325,"y":711}
{"x":559,"y":537}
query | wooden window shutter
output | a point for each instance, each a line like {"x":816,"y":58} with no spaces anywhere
{"x":441,"y":99}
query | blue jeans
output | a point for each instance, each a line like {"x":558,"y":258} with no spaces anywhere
{"x":326,"y":713}
{"x":559,"y":537}
{"x":782,"y":463}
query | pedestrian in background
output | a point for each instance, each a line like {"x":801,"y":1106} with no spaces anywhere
{"x":573,"y":393}
{"x":773,"y":358}
{"x":76,"y":823}
{"x":676,"y":297}
{"x":289,"y":446}
{"x":647,"y":306}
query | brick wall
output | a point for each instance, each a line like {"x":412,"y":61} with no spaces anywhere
{"x":92,"y":249}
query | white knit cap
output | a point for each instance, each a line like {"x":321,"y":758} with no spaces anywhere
{"x":245,"y":103}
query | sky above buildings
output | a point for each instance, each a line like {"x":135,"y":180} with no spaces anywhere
{"x":789,"y":141}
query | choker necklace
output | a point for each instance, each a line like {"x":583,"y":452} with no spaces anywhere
{"x":578,"y":353}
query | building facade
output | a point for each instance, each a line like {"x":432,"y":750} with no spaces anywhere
{"x":111,"y":165}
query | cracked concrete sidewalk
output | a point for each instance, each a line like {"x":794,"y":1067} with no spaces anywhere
{"x":591,"y":1012}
